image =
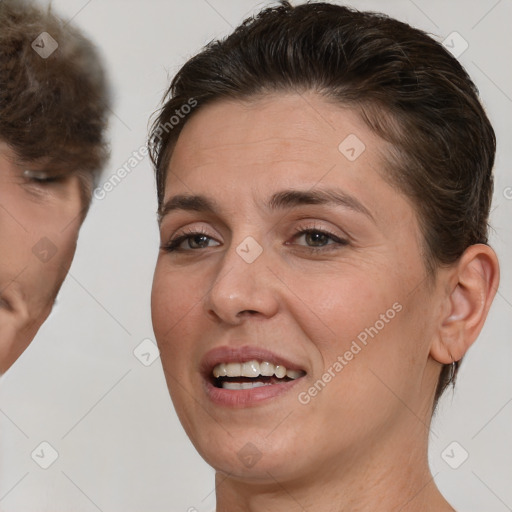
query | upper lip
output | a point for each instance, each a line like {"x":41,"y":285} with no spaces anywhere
{"x":227,"y":354}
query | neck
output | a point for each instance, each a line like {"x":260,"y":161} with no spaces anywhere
{"x":390,"y":476}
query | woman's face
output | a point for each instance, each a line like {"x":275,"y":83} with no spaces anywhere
{"x":283,"y":245}
{"x":39,"y":223}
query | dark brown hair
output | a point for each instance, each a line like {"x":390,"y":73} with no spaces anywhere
{"x":53,"y":110}
{"x":410,"y":91}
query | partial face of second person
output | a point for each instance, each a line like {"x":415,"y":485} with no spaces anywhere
{"x":39,"y":223}
{"x":269,"y":276}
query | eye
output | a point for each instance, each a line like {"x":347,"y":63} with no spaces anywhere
{"x":42,"y":177}
{"x":195,"y":240}
{"x":316,"y":239}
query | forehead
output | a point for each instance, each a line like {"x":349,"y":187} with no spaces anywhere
{"x":278,"y":136}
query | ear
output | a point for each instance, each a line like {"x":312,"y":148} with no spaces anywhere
{"x":471,"y":286}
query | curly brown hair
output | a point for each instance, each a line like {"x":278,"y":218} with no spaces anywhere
{"x":53,"y":108}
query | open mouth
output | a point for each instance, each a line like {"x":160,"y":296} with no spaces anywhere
{"x":252,"y":374}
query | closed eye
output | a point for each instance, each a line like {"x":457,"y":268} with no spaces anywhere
{"x":42,"y":177}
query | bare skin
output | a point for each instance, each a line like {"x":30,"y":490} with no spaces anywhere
{"x":39,"y":224}
{"x":360,"y":442}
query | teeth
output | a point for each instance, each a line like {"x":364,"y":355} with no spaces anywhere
{"x":253,"y":369}
{"x":233,"y":370}
{"x":267,"y":369}
{"x":243,"y":385}
{"x":220,"y":371}
{"x":280,"y":372}
{"x":293,"y":374}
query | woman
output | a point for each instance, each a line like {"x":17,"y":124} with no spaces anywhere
{"x":324,"y":265}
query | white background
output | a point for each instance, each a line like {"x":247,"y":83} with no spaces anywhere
{"x":79,"y":386}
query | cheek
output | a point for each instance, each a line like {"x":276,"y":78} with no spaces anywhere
{"x":14,"y":242}
{"x":175,"y":303}
{"x":38,"y":232}
{"x":62,"y":245}
{"x":49,"y":257}
{"x":334,"y":309}
{"x":378,"y":365}
{"x":362,"y":332}
{"x":176,"y":299}
{"x":53,"y":234}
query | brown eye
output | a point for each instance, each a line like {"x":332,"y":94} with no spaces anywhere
{"x":198,"y":241}
{"x":317,"y":239}
{"x":194,"y":240}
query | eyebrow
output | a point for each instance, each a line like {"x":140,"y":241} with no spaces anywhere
{"x":285,"y":199}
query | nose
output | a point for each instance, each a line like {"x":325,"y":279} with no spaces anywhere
{"x":243,"y":288}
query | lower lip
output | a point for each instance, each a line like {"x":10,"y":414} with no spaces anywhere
{"x":247,"y":397}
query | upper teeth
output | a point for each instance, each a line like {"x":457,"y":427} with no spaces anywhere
{"x":254,"y":369}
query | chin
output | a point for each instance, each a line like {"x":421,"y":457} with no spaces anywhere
{"x":250,"y":453}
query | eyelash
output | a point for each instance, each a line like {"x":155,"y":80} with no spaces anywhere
{"x":173,"y":245}
{"x":42,"y":179}
{"x":339,"y":242}
{"x":46,"y":181}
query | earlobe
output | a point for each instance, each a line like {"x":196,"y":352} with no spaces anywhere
{"x":471,"y":287}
